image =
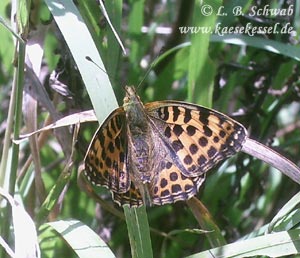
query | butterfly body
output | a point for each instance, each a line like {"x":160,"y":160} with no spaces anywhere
{"x":140,"y":144}
{"x":159,"y":152}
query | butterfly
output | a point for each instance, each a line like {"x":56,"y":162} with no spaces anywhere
{"x":159,"y":153}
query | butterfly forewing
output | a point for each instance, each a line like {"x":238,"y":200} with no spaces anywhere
{"x":197,"y":138}
{"x":105,"y":161}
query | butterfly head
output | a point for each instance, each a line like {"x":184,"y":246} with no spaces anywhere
{"x":132,"y":99}
{"x":131,"y":95}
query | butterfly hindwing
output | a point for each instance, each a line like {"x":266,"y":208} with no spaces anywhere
{"x":131,"y":197}
{"x":171,"y":185}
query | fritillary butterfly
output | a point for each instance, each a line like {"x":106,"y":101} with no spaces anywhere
{"x":159,"y":152}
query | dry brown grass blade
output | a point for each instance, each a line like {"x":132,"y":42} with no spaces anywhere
{"x":30,"y":117}
{"x":206,"y":222}
{"x":273,"y":158}
{"x":80,"y":117}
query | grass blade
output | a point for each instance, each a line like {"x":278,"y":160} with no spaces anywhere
{"x":201,"y":68}
{"x":138,"y":231}
{"x":273,"y":158}
{"x":272,"y":245}
{"x":84,"y":241}
{"x":96,"y":81}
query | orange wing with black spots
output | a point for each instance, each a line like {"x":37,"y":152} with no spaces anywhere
{"x":172,"y":186}
{"x":159,"y":153}
{"x":169,"y":186}
{"x":105,"y":161}
{"x":131,"y":197}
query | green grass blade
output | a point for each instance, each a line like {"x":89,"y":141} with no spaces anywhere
{"x":285,"y":210}
{"x":261,"y":43}
{"x":7,"y":26}
{"x":84,"y":241}
{"x":272,"y":245}
{"x":96,"y":81}
{"x":138,"y":231}
{"x":201,"y":68}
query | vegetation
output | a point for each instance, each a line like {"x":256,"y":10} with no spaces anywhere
{"x":75,"y":62}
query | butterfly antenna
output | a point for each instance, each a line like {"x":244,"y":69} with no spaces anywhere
{"x":147,"y":72}
{"x":105,"y":14}
{"x":91,"y":60}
